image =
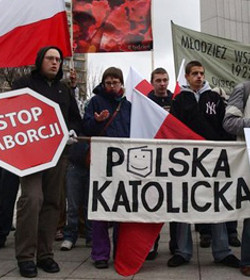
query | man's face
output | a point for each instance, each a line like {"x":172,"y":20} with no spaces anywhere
{"x":196,"y":77}
{"x":160,"y":84}
{"x":51,"y":63}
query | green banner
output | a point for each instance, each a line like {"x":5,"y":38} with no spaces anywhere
{"x":226,"y":62}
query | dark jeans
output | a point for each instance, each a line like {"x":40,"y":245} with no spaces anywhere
{"x":206,"y":228}
{"x":173,"y":233}
{"x":9,"y":183}
{"x":77,"y":194}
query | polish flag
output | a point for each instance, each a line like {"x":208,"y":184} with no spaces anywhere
{"x":181,"y":80}
{"x":28,"y":25}
{"x":148,"y":120}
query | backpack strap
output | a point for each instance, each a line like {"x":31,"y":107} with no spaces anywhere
{"x":111,"y":118}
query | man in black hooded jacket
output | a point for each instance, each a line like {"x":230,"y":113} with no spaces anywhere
{"x":38,"y":207}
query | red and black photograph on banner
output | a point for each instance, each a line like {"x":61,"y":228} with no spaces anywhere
{"x":112,"y":26}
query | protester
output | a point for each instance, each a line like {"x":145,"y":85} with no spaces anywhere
{"x":107,"y":114}
{"x":71,"y":83}
{"x":205,"y":229}
{"x":202,"y":110}
{"x":77,"y":186}
{"x":77,"y":189}
{"x":162,"y":96}
{"x":237,"y":117}
{"x":39,"y":204}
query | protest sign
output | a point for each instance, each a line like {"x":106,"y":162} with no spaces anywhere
{"x":140,"y":180}
{"x":226,"y":61}
{"x":32,"y":132}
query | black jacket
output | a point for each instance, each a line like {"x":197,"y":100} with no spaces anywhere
{"x":54,"y":90}
{"x":204,"y":116}
{"x":164,"y":101}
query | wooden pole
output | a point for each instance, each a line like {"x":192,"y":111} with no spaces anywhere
{"x":83,"y":138}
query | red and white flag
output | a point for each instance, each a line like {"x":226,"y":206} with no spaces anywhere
{"x":181,"y":80}
{"x":28,"y":25}
{"x":148,"y":120}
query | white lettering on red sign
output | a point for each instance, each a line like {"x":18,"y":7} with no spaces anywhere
{"x":23,"y":117}
{"x":31,"y":135}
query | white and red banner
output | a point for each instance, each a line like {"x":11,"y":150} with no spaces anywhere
{"x":33,"y":133}
{"x":155,"y":181}
{"x":28,"y":25}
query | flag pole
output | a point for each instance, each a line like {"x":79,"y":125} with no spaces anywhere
{"x":152,"y":61}
{"x":152,"y":51}
{"x":71,"y":62}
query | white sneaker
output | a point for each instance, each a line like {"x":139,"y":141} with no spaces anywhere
{"x":67,"y":245}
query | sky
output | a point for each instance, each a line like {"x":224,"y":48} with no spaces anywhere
{"x":182,"y":12}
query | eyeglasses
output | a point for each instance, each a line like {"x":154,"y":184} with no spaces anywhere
{"x":52,"y":58}
{"x":109,"y":84}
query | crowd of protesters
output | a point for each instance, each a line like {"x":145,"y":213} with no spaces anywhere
{"x":41,"y":207}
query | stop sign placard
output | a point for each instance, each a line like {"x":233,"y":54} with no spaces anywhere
{"x":33,"y":133}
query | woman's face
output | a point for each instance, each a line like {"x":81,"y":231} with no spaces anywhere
{"x":112,"y":84}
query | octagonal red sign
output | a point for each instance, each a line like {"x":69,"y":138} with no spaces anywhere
{"x":33,"y":133}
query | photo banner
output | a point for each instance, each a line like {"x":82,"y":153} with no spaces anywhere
{"x":139,"y":180}
{"x":226,"y":62}
{"x":112,"y":26}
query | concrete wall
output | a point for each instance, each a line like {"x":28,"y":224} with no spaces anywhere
{"x":226,"y":18}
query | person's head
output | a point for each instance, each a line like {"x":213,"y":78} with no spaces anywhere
{"x":195,"y":74}
{"x":160,"y":81}
{"x":49,"y":62}
{"x":112,"y":80}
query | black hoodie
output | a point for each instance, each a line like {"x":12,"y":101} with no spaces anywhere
{"x":39,"y":59}
{"x":54,"y":90}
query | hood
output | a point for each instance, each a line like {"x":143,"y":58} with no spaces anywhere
{"x":204,"y":88}
{"x":99,"y":89}
{"x":40,"y":57}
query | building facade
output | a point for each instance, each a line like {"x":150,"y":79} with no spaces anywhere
{"x":226,"y":18}
{"x":79,"y":60}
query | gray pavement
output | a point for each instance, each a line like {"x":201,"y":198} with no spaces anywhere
{"x":77,"y":264}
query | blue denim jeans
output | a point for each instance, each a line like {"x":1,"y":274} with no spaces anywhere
{"x":77,"y":187}
{"x":206,"y":228}
{"x":220,"y":247}
{"x":245,"y":244}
